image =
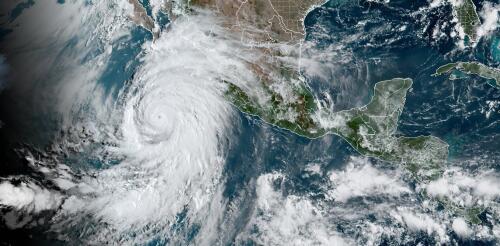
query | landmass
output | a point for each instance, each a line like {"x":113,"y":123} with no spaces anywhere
{"x":282,"y":97}
{"x":370,"y":129}
{"x":470,"y":213}
{"x":281,"y":20}
{"x":140,"y":16}
{"x":468,"y":19}
{"x":264,"y":20}
{"x":471,"y":68}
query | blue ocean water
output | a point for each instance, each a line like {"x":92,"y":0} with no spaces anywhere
{"x":124,"y":60}
{"x":449,"y":109}
{"x":495,"y":49}
{"x":379,"y":42}
{"x":387,"y":45}
{"x":18,"y":10}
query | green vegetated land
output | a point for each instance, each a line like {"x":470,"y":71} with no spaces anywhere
{"x":370,"y":129}
{"x":471,"y":68}
{"x":467,"y":18}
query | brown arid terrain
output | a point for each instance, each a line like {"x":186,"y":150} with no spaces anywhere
{"x":256,"y":20}
{"x":273,"y":32}
{"x":266,"y":26}
{"x":280,"y":20}
{"x":140,"y":16}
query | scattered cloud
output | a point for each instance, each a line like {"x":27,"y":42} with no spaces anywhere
{"x":420,"y":222}
{"x":28,"y":197}
{"x":290,"y":219}
{"x":360,"y":179}
{"x":465,"y":189}
{"x":490,"y":19}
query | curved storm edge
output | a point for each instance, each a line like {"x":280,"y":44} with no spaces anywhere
{"x":362,"y":129}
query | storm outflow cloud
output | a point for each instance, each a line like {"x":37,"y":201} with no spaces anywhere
{"x":144,"y":146}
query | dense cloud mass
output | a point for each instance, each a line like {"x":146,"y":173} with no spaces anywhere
{"x":162,"y":123}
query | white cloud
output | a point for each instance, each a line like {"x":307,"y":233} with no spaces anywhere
{"x":360,"y":178}
{"x":172,"y":129}
{"x":28,"y":197}
{"x":328,"y":120}
{"x":488,"y":187}
{"x":465,"y":189}
{"x":313,"y":169}
{"x":490,"y":17}
{"x":436,"y":3}
{"x":460,"y":227}
{"x":440,"y":188}
{"x":169,"y":129}
{"x":288,"y":219}
{"x":170,"y":132}
{"x":420,"y":222}
{"x":53,"y":48}
{"x":456,"y":2}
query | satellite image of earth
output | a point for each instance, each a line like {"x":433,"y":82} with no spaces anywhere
{"x":249,"y":122}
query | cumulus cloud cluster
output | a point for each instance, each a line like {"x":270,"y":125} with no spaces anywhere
{"x":489,"y":16}
{"x":291,"y":219}
{"x":360,"y":179}
{"x":303,"y":221}
{"x":420,"y":222}
{"x":28,"y":196}
{"x":279,"y":216}
{"x":465,"y":189}
{"x":490,"y":19}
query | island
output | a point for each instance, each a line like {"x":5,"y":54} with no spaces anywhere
{"x":471,"y":68}
{"x":281,"y":95}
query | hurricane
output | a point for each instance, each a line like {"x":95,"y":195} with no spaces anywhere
{"x":168,"y":127}
{"x":266,"y":122}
